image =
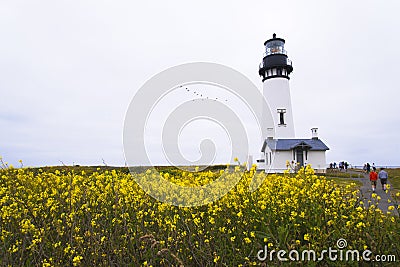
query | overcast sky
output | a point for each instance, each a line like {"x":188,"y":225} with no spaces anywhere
{"x":69,"y":69}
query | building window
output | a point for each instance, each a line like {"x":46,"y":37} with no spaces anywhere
{"x":281,"y":119}
{"x":281,"y":113}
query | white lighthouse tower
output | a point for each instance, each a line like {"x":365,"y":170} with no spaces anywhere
{"x":275,"y":70}
{"x":281,"y":150}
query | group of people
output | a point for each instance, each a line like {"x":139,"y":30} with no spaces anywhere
{"x":367,"y":167}
{"x":382,"y":176}
{"x":343,"y":165}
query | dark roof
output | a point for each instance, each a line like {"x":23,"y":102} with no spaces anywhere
{"x":289,"y":144}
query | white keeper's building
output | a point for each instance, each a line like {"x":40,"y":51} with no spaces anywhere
{"x":280,"y":149}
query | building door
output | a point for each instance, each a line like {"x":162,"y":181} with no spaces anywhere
{"x":300,"y":156}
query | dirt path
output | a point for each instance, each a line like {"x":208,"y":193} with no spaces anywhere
{"x":366,"y":193}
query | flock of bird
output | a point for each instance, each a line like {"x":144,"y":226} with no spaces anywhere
{"x":201,"y":95}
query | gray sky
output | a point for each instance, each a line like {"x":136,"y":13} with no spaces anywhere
{"x":70,"y":68}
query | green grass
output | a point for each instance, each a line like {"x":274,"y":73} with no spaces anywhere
{"x":344,"y":181}
{"x":344,"y":178}
{"x":338,"y":174}
{"x":394,"y":179}
{"x":357,"y":170}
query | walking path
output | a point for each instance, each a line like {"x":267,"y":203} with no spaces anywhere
{"x":366,"y":193}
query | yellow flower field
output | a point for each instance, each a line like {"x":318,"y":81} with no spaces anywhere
{"x":60,"y":217}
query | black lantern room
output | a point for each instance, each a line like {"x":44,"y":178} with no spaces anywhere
{"x":275,"y":62}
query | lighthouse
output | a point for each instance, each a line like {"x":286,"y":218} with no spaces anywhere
{"x":281,"y":151}
{"x":275,"y":70}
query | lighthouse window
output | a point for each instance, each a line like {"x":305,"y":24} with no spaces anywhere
{"x":279,"y":71}
{"x":281,"y":119}
{"x":281,"y":113}
{"x":275,"y":47}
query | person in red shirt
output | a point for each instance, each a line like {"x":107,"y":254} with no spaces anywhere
{"x":373,"y":177}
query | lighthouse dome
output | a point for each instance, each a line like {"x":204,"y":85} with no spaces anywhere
{"x":275,"y":61}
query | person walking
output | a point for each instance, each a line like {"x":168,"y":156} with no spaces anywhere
{"x":368,"y":167}
{"x":383,"y":176}
{"x":373,"y":177}
{"x":341,"y":165}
